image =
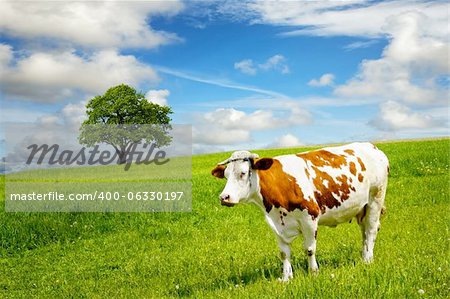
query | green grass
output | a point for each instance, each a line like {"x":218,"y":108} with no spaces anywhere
{"x":218,"y":252}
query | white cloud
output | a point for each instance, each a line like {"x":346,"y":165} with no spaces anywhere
{"x":158,"y":96}
{"x":287,"y":140}
{"x":69,"y":117}
{"x":73,"y":114}
{"x":230,"y":126}
{"x":258,"y":120}
{"x":276,"y":62}
{"x":47,"y":77}
{"x":324,"y":80}
{"x":48,"y":120}
{"x":360,"y":45}
{"x":409,"y":67}
{"x":246,"y":66}
{"x":395,"y":116}
{"x":120,"y":24}
{"x":328,"y":18}
{"x":235,"y":119}
{"x":6,"y":55}
{"x":214,"y":135}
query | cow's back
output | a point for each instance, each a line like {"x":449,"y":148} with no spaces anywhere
{"x":339,"y":179}
{"x":377,"y":163}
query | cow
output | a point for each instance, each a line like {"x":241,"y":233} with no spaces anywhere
{"x":298,"y":192}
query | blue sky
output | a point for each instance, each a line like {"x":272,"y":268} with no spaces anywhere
{"x":245,"y":74}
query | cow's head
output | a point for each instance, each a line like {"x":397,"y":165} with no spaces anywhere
{"x":240,"y":172}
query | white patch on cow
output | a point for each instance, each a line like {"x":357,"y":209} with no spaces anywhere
{"x":290,"y":230}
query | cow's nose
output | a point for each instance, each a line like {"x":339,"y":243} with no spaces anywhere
{"x":224,"y":197}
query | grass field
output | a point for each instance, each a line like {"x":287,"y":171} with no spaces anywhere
{"x":218,"y":252}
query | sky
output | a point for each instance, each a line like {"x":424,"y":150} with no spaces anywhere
{"x":244,"y":74}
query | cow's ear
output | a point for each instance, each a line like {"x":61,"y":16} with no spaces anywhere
{"x":263,"y":163}
{"x":218,"y":171}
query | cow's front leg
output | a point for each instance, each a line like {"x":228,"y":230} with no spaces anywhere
{"x":285,"y":254}
{"x":309,"y":230}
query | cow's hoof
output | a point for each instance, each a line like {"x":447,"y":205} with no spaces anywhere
{"x":367,"y":259}
{"x":284,"y":279}
{"x":314,"y":272}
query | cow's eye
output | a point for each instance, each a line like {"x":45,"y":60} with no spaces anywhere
{"x":242,"y":174}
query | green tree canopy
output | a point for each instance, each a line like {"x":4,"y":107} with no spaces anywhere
{"x":123,"y":117}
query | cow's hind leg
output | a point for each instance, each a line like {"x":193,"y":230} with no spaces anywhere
{"x":369,"y":221}
{"x":309,"y":231}
{"x":285,"y":254}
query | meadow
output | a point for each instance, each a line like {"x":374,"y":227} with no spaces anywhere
{"x":219,"y":252}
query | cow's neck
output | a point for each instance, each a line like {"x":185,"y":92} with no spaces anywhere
{"x":256,"y":197}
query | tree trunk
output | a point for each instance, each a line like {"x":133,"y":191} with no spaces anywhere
{"x":122,"y":153}
{"x":122,"y":157}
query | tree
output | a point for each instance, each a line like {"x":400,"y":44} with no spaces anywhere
{"x":123,"y":117}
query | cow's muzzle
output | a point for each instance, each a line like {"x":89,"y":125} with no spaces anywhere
{"x":225,"y":201}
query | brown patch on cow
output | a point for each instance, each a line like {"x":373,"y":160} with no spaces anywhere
{"x":322,"y":158}
{"x":352,"y":167}
{"x":350,"y":152}
{"x":360,"y":177}
{"x":280,"y":189}
{"x":307,"y":173}
{"x":345,"y":187}
{"x":350,"y":179}
{"x":218,"y":171}
{"x":282,"y":255}
{"x":363,"y":167}
{"x":360,"y":216}
{"x":262,"y":164}
{"x":332,"y":195}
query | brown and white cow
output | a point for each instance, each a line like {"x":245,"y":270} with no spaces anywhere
{"x":299,"y":192}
